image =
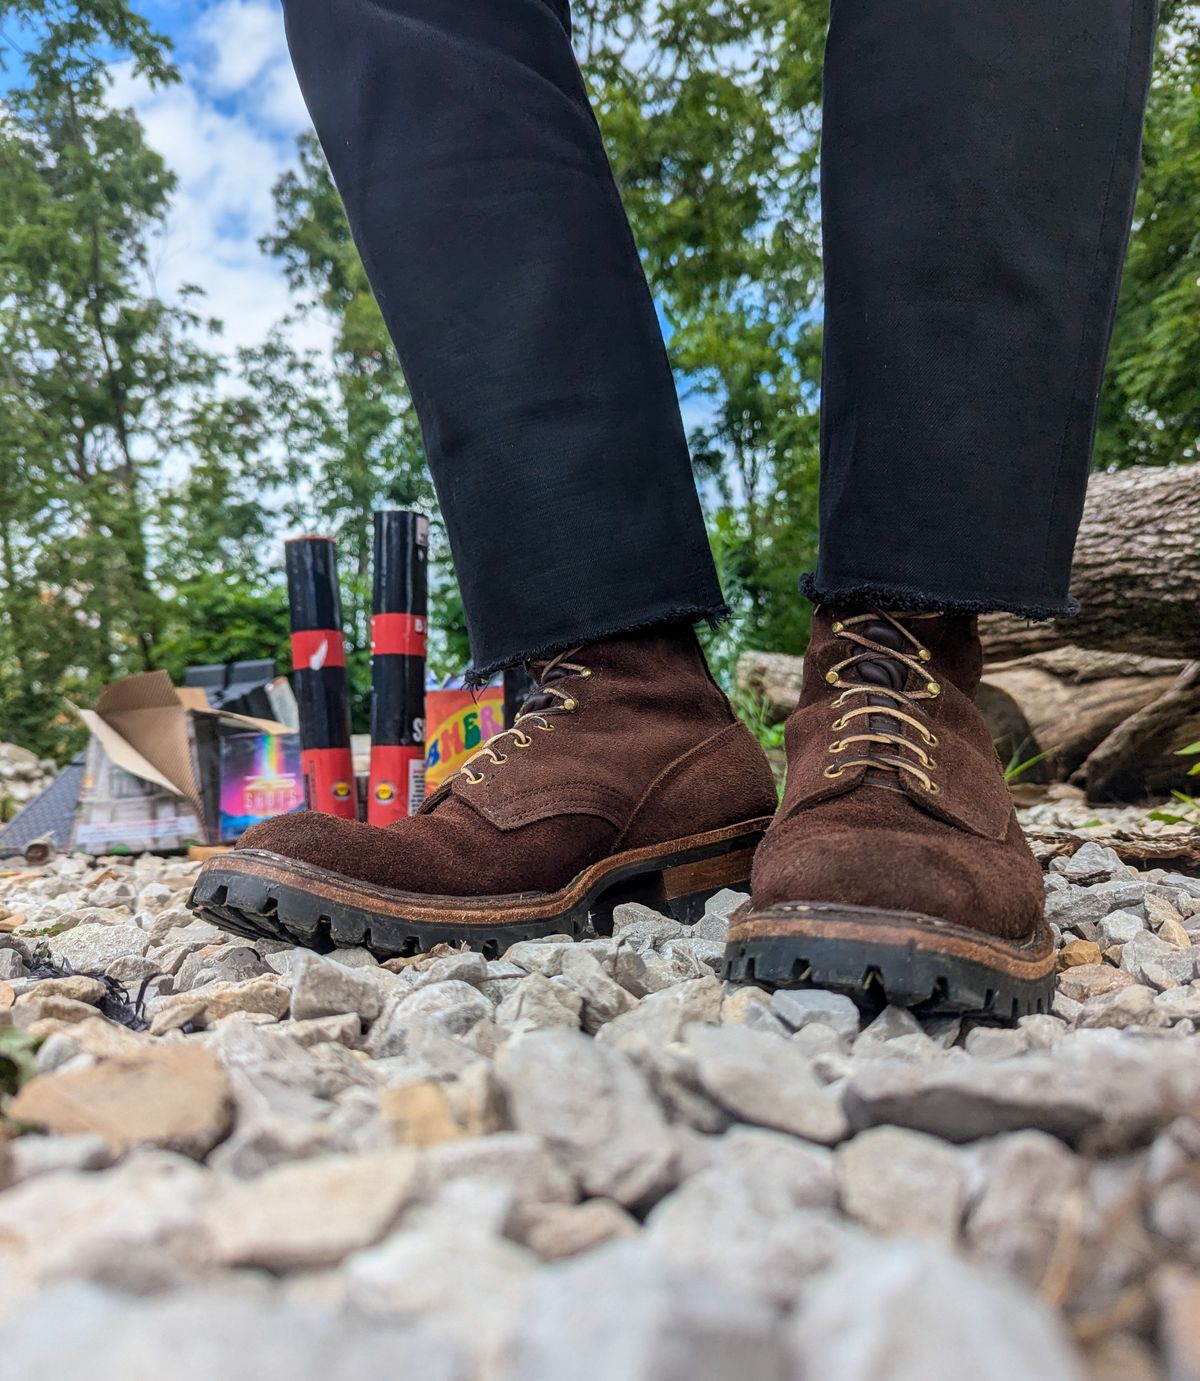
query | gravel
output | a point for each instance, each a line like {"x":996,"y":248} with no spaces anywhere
{"x":595,"y":1159}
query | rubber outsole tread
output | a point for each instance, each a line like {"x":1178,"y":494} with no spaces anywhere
{"x":928,"y":983}
{"x":239,"y":900}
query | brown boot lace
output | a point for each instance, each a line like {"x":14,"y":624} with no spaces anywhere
{"x":884,"y":714}
{"x":546,"y":698}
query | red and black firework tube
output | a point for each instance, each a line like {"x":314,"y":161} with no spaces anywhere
{"x":399,"y":639}
{"x":319,"y":674}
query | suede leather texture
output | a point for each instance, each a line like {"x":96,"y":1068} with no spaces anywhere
{"x":878,"y":838}
{"x":652,"y":753}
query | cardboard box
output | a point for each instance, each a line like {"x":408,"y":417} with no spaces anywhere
{"x":119,"y":813}
{"x":247,"y":688}
{"x":152,"y":780}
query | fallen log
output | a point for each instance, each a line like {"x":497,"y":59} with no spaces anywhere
{"x":1111,"y":722}
{"x":1142,"y":753}
{"x":1171,"y":849}
{"x":1060,"y":705}
{"x":1135,"y":572}
{"x":773,"y":679}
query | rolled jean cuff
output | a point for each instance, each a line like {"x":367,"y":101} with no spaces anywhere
{"x":887,"y":597}
{"x":597,"y":631}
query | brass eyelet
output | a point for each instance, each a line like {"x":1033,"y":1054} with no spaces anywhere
{"x":836,"y":746}
{"x":833,"y":770}
{"x":931,"y":741}
{"x":528,"y":742}
{"x":498,"y":760}
{"x":925,"y":655}
{"x":586,"y":673}
{"x":570,"y":705}
{"x":933,"y":788}
{"x":839,"y":627}
{"x":933,"y":688}
{"x":471,"y":777}
{"x":839,"y":723}
{"x":832,"y":677}
{"x":546,"y":728}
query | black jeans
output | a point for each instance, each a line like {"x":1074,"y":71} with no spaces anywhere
{"x":979,"y":164}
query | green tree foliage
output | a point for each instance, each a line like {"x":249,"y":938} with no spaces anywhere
{"x":712,"y":116}
{"x":221,"y":617}
{"x":363,"y":449}
{"x":88,"y":360}
{"x":105,"y":390}
{"x":1150,"y":407}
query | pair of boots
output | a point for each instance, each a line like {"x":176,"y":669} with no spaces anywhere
{"x":893,"y":869}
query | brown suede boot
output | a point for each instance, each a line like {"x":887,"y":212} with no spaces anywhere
{"x":896,"y":867}
{"x":627,"y":776}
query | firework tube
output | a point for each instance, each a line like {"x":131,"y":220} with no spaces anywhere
{"x":399,"y":636}
{"x":319,"y":673}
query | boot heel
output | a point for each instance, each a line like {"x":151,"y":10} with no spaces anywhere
{"x":689,"y":887}
{"x":646,"y":889}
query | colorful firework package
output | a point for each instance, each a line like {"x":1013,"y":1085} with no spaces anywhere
{"x":261,"y":776}
{"x":458,"y":722}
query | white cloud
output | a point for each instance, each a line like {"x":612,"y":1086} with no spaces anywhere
{"x":228,"y":132}
{"x":243,"y":36}
{"x":246,"y":56}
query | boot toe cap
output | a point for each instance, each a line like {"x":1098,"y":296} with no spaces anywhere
{"x":306,"y":836}
{"x":974,"y":882}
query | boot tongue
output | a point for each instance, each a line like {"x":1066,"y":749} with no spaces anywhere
{"x":882,"y":671}
{"x":877,"y":670}
{"x":537,"y":700}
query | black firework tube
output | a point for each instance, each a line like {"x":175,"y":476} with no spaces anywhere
{"x":319,"y":674}
{"x":399,"y":640}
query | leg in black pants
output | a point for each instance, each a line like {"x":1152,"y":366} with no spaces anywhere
{"x":481,"y":200}
{"x":978,"y":171}
{"x":979,"y":165}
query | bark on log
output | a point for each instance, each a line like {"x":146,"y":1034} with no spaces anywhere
{"x":774,"y":678}
{"x":1064,"y":703}
{"x":1135,"y":572}
{"x":1070,"y":703}
{"x":1141,"y":754}
{"x":1171,"y":849}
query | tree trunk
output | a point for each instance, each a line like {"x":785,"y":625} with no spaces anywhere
{"x":774,"y":678}
{"x":1135,"y":573}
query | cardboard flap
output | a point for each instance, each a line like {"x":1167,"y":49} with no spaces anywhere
{"x":147,"y":713}
{"x":148,"y":690}
{"x":263,"y":726}
{"x":193,"y":698}
{"x":122,"y":755}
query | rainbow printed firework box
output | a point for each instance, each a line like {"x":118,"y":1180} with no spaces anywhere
{"x":458,"y":723}
{"x":261,"y":776}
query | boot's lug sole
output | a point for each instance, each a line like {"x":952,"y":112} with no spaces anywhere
{"x":875,"y":955}
{"x":257,"y":894}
